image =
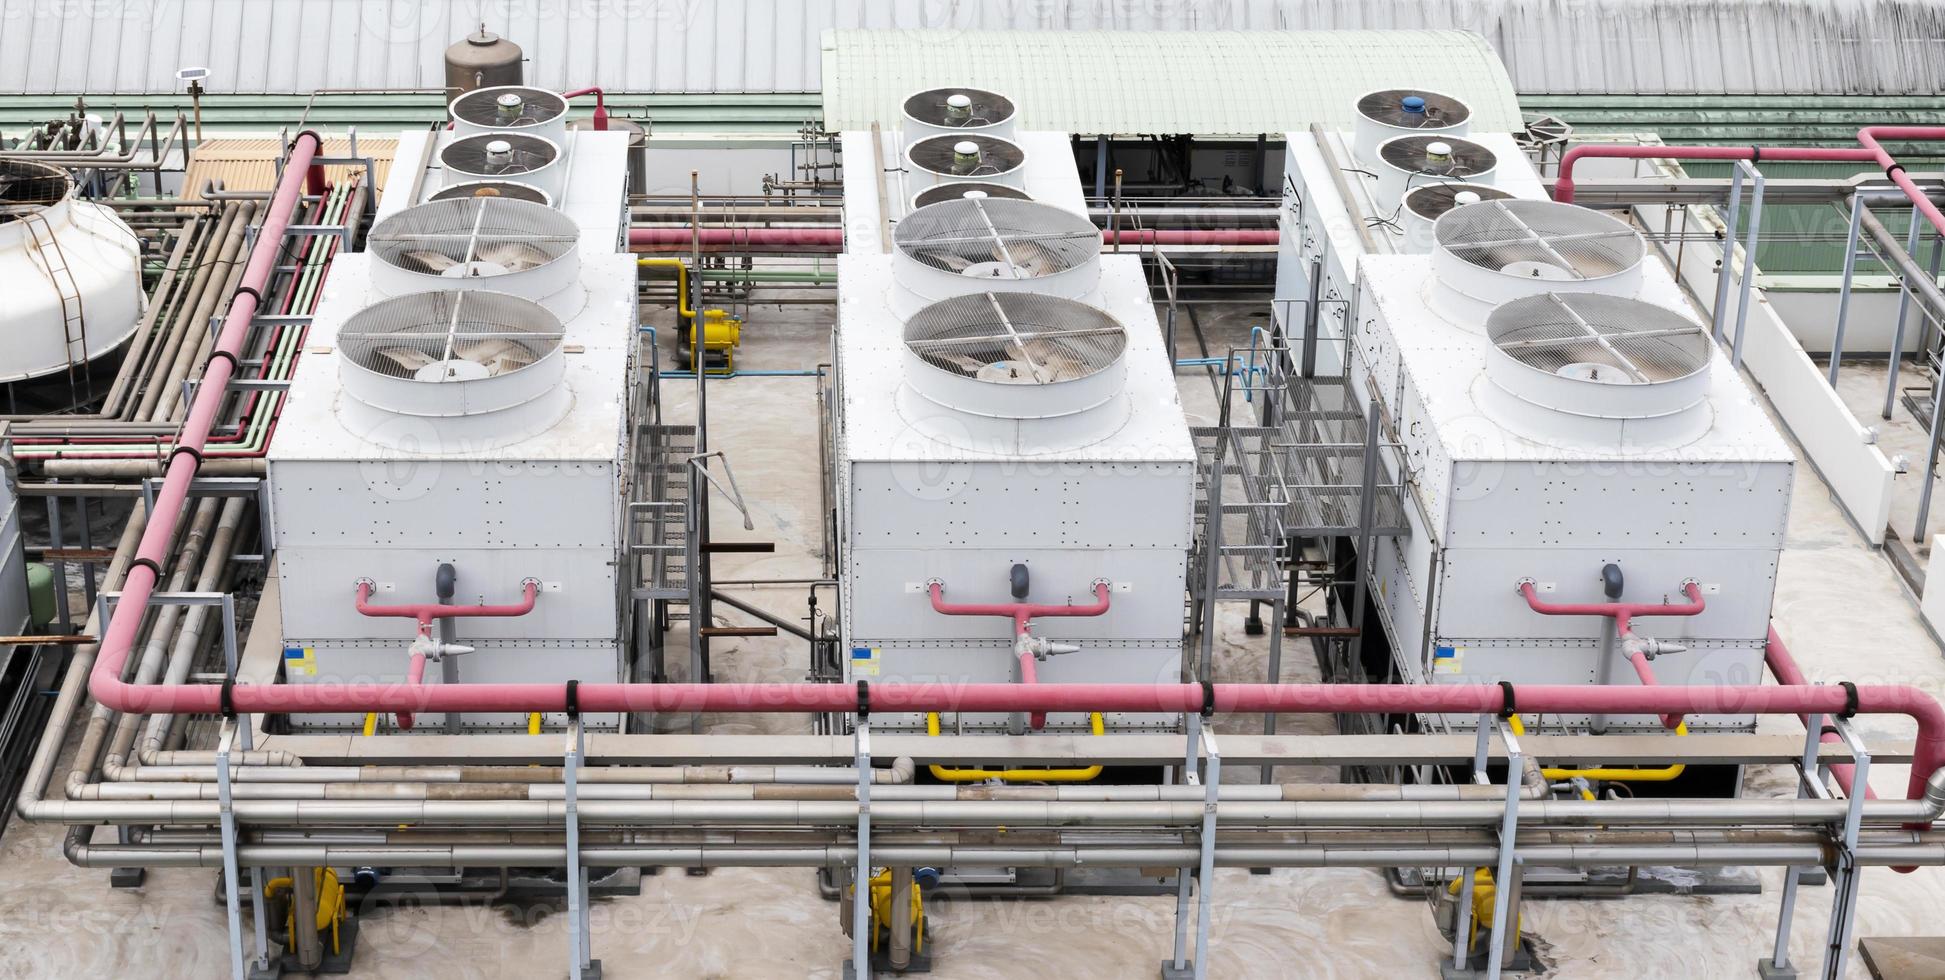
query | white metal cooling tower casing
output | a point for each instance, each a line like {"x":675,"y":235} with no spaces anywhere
{"x":950,"y":158}
{"x":510,"y":108}
{"x":954,"y":111}
{"x":1493,"y":252}
{"x":517,"y":157}
{"x":72,"y":273}
{"x":958,"y":189}
{"x":501,"y":244}
{"x":492,"y":188}
{"x":1408,"y":162}
{"x":1388,"y":113}
{"x":978,"y":245}
{"x":513,"y":467}
{"x":954,"y":462}
{"x":1531,"y":460}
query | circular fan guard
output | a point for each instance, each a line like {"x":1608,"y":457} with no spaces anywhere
{"x":1433,"y":200}
{"x":28,"y":187}
{"x":473,"y":237}
{"x":997,"y":238}
{"x":1016,"y":338}
{"x":1462,"y":158}
{"x":941,"y":107}
{"x":1394,"y":107}
{"x":959,"y":189}
{"x":499,"y":154}
{"x":1540,"y":240}
{"x":1598,"y":339}
{"x":439,"y":337}
{"x":992,"y":157}
{"x":509,"y":107}
{"x":503,"y":189}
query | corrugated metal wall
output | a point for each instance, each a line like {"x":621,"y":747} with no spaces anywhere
{"x":1553,"y":46}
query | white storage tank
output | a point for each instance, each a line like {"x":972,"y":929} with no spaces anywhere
{"x":72,"y":273}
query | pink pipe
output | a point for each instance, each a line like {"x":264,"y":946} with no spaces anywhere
{"x":1868,"y":136}
{"x":834,"y":237}
{"x":1022,"y":614}
{"x":153,"y":550}
{"x":1783,"y":665}
{"x":1563,"y":186}
{"x":1620,"y":612}
{"x":1647,"y":676}
{"x":600,"y":117}
{"x":425,"y":613}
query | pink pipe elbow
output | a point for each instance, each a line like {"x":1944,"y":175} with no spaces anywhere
{"x":1563,"y":186}
{"x":425,"y":613}
{"x":1647,"y":675}
{"x":600,"y":117}
{"x":1783,"y":665}
{"x":415,"y":676}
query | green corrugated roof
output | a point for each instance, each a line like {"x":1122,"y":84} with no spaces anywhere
{"x":1207,"y":83}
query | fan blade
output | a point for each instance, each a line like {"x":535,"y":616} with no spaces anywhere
{"x":946,"y":258}
{"x":428,"y":260}
{"x":408,"y":358}
{"x":513,"y":256}
{"x":499,"y":356}
{"x":1031,"y":258}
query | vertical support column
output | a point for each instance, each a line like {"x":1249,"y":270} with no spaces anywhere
{"x":860,"y":966}
{"x":1178,"y":966}
{"x":1206,"y":875}
{"x":1101,"y":166}
{"x":226,"y":824}
{"x":1904,"y":310}
{"x":1367,"y":510}
{"x":1849,"y":877}
{"x":1504,"y":913}
{"x":1748,"y":260}
{"x":1732,"y":222}
{"x":1274,"y":675}
{"x":244,"y":723}
{"x":1843,"y":293}
{"x":581,"y":964}
{"x":1809,"y":783}
{"x":1312,"y":320}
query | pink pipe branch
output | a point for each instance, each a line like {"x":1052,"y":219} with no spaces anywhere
{"x":600,"y":117}
{"x":1022,"y":614}
{"x":424,"y":646}
{"x":1623,"y":614}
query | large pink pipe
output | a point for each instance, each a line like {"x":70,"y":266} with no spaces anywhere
{"x":834,"y":237}
{"x":1869,"y":136}
{"x":1563,"y":186}
{"x":1022,"y":614}
{"x":1783,"y":665}
{"x":153,"y":550}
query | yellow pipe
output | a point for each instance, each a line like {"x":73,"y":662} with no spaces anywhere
{"x":533,"y":723}
{"x":1661,"y":775}
{"x":945,"y":775}
{"x":681,"y":282}
{"x":371,"y":722}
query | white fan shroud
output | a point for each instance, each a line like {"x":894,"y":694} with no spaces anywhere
{"x":1405,"y":162}
{"x":501,"y":383}
{"x":518,"y":247}
{"x":532,"y":160}
{"x":1493,"y":252}
{"x":925,"y":113}
{"x":1015,"y":355}
{"x":543,"y":114}
{"x":1444,"y":116}
{"x":928,"y":161}
{"x":505,"y":189}
{"x":996,"y":245}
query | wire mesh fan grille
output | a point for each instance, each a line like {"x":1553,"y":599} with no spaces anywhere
{"x":995,"y":156}
{"x":26,"y":187}
{"x":958,"y":189}
{"x":492,"y":189}
{"x":1463,"y":158}
{"x":509,"y":107}
{"x":495,"y":154}
{"x":461,"y":335}
{"x":1388,"y":107}
{"x":1540,"y":239}
{"x":1435,"y":199}
{"x":1016,"y":338}
{"x":983,"y":108}
{"x":475,"y":236}
{"x":1599,"y":339}
{"x":997,"y":238}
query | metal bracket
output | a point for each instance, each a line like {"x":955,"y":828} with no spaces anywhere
{"x":580,"y":963}
{"x":226,"y":602}
{"x":860,"y":964}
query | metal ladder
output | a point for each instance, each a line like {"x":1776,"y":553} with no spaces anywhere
{"x":53,"y":261}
